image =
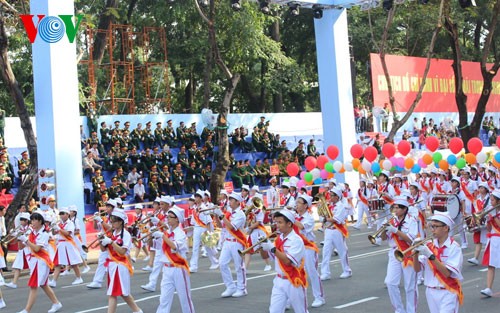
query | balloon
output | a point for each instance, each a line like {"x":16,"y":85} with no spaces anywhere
{"x":302,"y":174}
{"x":330,"y":175}
{"x":481,"y":157}
{"x":367,"y":166}
{"x":404,"y":147}
{"x":293,"y":180}
{"x":427,"y":158}
{"x":497,"y":156}
{"x":497,"y":164}
{"x":400,"y":162}
{"x":498,"y":141}
{"x":357,"y":151}
{"x":456,"y":145}
{"x":475,"y":145}
{"x":310,"y":163}
{"x":460,"y":163}
{"x":318,"y":181}
{"x":309,"y":183}
{"x":409,"y":163}
{"x":362,"y":171}
{"x":329,"y":167}
{"x":292,"y":169}
{"x":321,"y":161}
{"x":443,"y":165}
{"x":337,"y":166}
{"x":436,"y":157}
{"x":399,"y":169}
{"x":324,"y":174}
{"x":375,"y":167}
{"x":342,"y":170}
{"x":356,"y":163}
{"x":415,"y":169}
{"x":333,"y":152}
{"x":316,"y":173}
{"x":300,"y":184}
{"x":432,"y":143}
{"x":371,"y":153}
{"x":308,"y":177}
{"x":386,"y":165}
{"x":452,"y":159}
{"x":348,"y":166}
{"x":388,"y":149}
{"x":421,"y":163}
{"x":470,"y":158}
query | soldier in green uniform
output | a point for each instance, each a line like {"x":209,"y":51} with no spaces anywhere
{"x":166,"y":156}
{"x":206,"y":173}
{"x":5,"y":180}
{"x":299,"y":152}
{"x":110,"y":163}
{"x":105,"y":136}
{"x":261,"y":124}
{"x":101,"y":203}
{"x":147,"y":159}
{"x":193,"y":134}
{"x":24,"y":159}
{"x":261,"y":173}
{"x":205,"y":133}
{"x":166,"y":183}
{"x":153,"y":171}
{"x":122,"y":159}
{"x":153,"y":188}
{"x":193,"y":178}
{"x":96,"y":180}
{"x":159,"y":135}
{"x":193,"y":153}
{"x":267,"y":146}
{"x":116,"y":190}
{"x":311,"y":148}
{"x":149,"y":138}
{"x":209,"y":145}
{"x":125,"y":141}
{"x":117,"y":128}
{"x":248,"y":173}
{"x":122,"y":178}
{"x":9,"y":169}
{"x":181,"y":134}
{"x":137,"y":136}
{"x":157,"y":156}
{"x":135,"y":159}
{"x":95,"y":140}
{"x":100,"y":191}
{"x":236,"y":174}
{"x":178,"y":179}
{"x":170,"y":134}
{"x":116,"y":147}
{"x":182,"y":157}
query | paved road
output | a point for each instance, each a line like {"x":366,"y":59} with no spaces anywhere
{"x":364,"y":292}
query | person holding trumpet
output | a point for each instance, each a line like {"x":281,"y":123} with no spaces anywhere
{"x":400,"y":231}
{"x":387,"y":193}
{"x":21,"y":261}
{"x":491,"y":256}
{"x":441,"y":262}
{"x":256,"y":229}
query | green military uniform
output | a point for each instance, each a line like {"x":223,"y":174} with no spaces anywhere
{"x":193,"y":178}
{"x":149,"y":138}
{"x":136,"y":137}
{"x":159,"y":135}
{"x":236,"y":176}
{"x":311,"y":149}
{"x":154,"y":189}
{"x":166,"y":158}
{"x":183,"y":159}
{"x":178,"y":180}
{"x":148,"y":160}
{"x":299,"y":153}
{"x":166,"y":181}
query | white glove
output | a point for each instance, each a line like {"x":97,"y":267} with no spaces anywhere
{"x":158,"y":234}
{"x":218,"y":212}
{"x":22,"y":238}
{"x":106,"y":241}
{"x":424,"y":250}
{"x":155,"y":220}
{"x":391,"y":229}
{"x":98,"y":219}
{"x":267,"y":246}
{"x":56,"y":228}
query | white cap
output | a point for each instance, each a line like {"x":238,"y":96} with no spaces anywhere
{"x":466,"y":170}
{"x":236,"y":196}
{"x":405,"y":193}
{"x":158,"y":199}
{"x":370,"y":181}
{"x":165,"y":199}
{"x":46,"y":217}
{"x":120,"y":213}
{"x":307,"y":199}
{"x":64,"y":210}
{"x":496,"y":193}
{"x":292,"y":184}
{"x":112,"y":202}
{"x":118,"y":201}
{"x":386,"y":173}
{"x":337,"y":191}
{"x":443,"y":217}
{"x":223,"y":192}
{"x":273,"y":178}
{"x":398,"y":175}
{"x":180,"y":214}
{"x":24,"y":215}
{"x":400,"y":200}
{"x":414,"y":184}
{"x":207,"y":193}
{"x":285,"y":185}
{"x":139,"y":206}
{"x":455,"y":178}
{"x":288,"y":214}
{"x":200,"y":193}
{"x":333,"y":181}
{"x":73,"y":208}
{"x":256,"y":188}
{"x":191,"y":198}
{"x":362,"y":180}
{"x":484,"y":185}
{"x":246,"y":187}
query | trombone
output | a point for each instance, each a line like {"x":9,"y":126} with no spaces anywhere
{"x":255,"y":203}
{"x":96,"y":214}
{"x":261,"y":240}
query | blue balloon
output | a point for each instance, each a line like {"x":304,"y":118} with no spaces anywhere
{"x":415,"y":169}
{"x":375,"y":167}
{"x":452,"y":159}
{"x":399,"y":169}
{"x":318,"y":181}
{"x":497,"y":157}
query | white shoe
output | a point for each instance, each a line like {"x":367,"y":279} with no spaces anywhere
{"x":420,"y":281}
{"x":52,"y":283}
{"x":288,"y":306}
{"x":473,"y":261}
{"x":133,"y":259}
{"x":228,"y":293}
{"x":345,"y":275}
{"x":86,"y":269}
{"x":465,"y":246}
{"x":239,"y":293}
{"x":55,"y":307}
{"x":267,"y":268}
{"x":369,"y":227}
{"x":204,"y":255}
{"x":11,"y":285}
{"x":146,"y":259}
{"x":2,"y":304}
{"x":487,"y":292}
{"x":94,"y":285}
{"x":77,"y":281}
{"x":214,"y":266}
{"x":65,"y":273}
{"x":355,"y":227}
{"x":147,"y":269}
{"x":193,"y":270}
{"x":324,"y":277}
{"x":318,"y":302}
{"x":23,"y":311}
{"x":148,"y":287}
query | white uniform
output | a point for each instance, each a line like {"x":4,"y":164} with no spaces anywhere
{"x":417,"y":211}
{"x":273,"y":197}
{"x":384,"y":190}
{"x":492,"y":251}
{"x":230,"y":252}
{"x":103,"y":256}
{"x":283,"y":291}
{"x":39,"y":267}
{"x":21,"y":260}
{"x":335,"y":239}
{"x":396,"y":269}
{"x":287,"y":201}
{"x":459,"y":219}
{"x":363,"y":195}
{"x":468,"y":188}
{"x":79,"y":244}
{"x":175,"y":277}
{"x":199,"y":229}
{"x":67,"y":252}
{"x":257,"y":232}
{"x":439,"y":299}
{"x":480,"y":236}
{"x":119,"y":273}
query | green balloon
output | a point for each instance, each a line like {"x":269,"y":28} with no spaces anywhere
{"x":329,"y":167}
{"x":308,"y":177}
{"x":437,"y":156}
{"x":460,"y":163}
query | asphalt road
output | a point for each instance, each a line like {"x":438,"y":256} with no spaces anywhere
{"x":363,"y":292}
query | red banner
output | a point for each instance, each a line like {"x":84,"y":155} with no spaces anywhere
{"x":439,"y":92}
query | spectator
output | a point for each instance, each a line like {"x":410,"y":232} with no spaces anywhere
{"x":311,"y":149}
{"x":384,"y":116}
{"x":492,"y":139}
{"x":416,"y":128}
{"x":357,"y":118}
{"x":83,"y":136}
{"x":299,"y":152}
{"x":139,"y":191}
{"x":89,"y":166}
{"x":5,"y":180}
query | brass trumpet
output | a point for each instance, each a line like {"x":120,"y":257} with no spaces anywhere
{"x":95,"y":243}
{"x":373,"y":238}
{"x":15,"y":236}
{"x":261,"y":240}
{"x":322,"y":207}
{"x":475,"y":219}
{"x":256,"y":203}
{"x":11,"y":235}
{"x":150,"y":215}
{"x":96,"y":214}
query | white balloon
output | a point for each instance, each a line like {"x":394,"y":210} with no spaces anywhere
{"x":316,"y":173}
{"x":348,"y":166}
{"x":294,"y":180}
{"x":367,"y":165}
{"x":387,"y":165}
{"x":337,"y":166}
{"x":481,"y":157}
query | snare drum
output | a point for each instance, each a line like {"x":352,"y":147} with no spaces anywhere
{"x":376,"y":205}
{"x":446,"y":203}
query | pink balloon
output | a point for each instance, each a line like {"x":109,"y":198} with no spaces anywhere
{"x":302,"y":174}
{"x":422,"y":163}
{"x":400,"y":162}
{"x":323,"y":174}
{"x":393,"y":160}
{"x":301,"y":183}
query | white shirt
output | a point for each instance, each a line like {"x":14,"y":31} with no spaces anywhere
{"x":273,"y":197}
{"x":307,"y":221}
{"x":132,"y":177}
{"x":238,"y":220}
{"x":339,"y":212}
{"x":127,"y":239}
{"x":139,"y":190}
{"x":409,"y":226}
{"x":294,"y":248}
{"x":452,"y":258}
{"x":68,"y":226}
{"x":180,"y":241}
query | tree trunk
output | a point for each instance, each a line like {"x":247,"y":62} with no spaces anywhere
{"x":189,"y":95}
{"x":100,"y":41}
{"x":278,"y":95}
{"x":252,"y":97}
{"x":29,"y":184}
{"x":207,"y":75}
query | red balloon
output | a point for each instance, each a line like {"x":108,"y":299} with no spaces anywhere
{"x":456,"y":145}
{"x":310,"y":163}
{"x":432,"y":143}
{"x":332,"y":152}
{"x":371,"y":153}
{"x":404,"y":147}
{"x":292,"y":169}
{"x":388,"y":150}
{"x":475,"y":145}
{"x":498,"y":141}
{"x":321,"y":161}
{"x":357,"y":151}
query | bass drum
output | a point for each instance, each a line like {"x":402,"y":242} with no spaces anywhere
{"x":446,"y":203}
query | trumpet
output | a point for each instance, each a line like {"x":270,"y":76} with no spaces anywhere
{"x":150,"y":215}
{"x":95,"y":243}
{"x":474,"y":221}
{"x":12,"y":234}
{"x":15,"y":236}
{"x":373,"y":238}
{"x":209,"y":209}
{"x":256,"y":203}
{"x":96,"y":214}
{"x":261,"y":240}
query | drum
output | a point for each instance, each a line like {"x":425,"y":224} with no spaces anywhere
{"x":376,"y":205}
{"x":446,"y":203}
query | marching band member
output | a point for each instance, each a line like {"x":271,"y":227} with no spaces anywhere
{"x":491,"y":256}
{"x":119,"y":265}
{"x":469,"y":188}
{"x":176,"y":269}
{"x":335,"y":237}
{"x":73,"y":211}
{"x":365,"y":192}
{"x":293,"y":190}
{"x":21,"y":260}
{"x":245,"y":195}
{"x":386,"y":192}
{"x":103,"y":225}
{"x":52,"y":238}
{"x":425,"y":185}
{"x":290,"y":282}
{"x":273,"y":194}
{"x":286,"y":199}
{"x":493,"y":181}
{"x":233,"y":221}
{"x":347,"y":199}
{"x":398,"y":184}
{"x":480,"y":235}
{"x":253,"y":191}
{"x":402,"y":229}
{"x":67,"y":253}
{"x":40,"y":264}
{"x":417,"y":202}
{"x":202,"y":223}
{"x":152,"y":251}
{"x":456,"y":189}
{"x":256,"y":230}
{"x":304,"y":227}
{"x":140,"y":229}
{"x":52,"y":210}
{"x":441,"y":262}
{"x":441,"y":185}
{"x":224,"y":206}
